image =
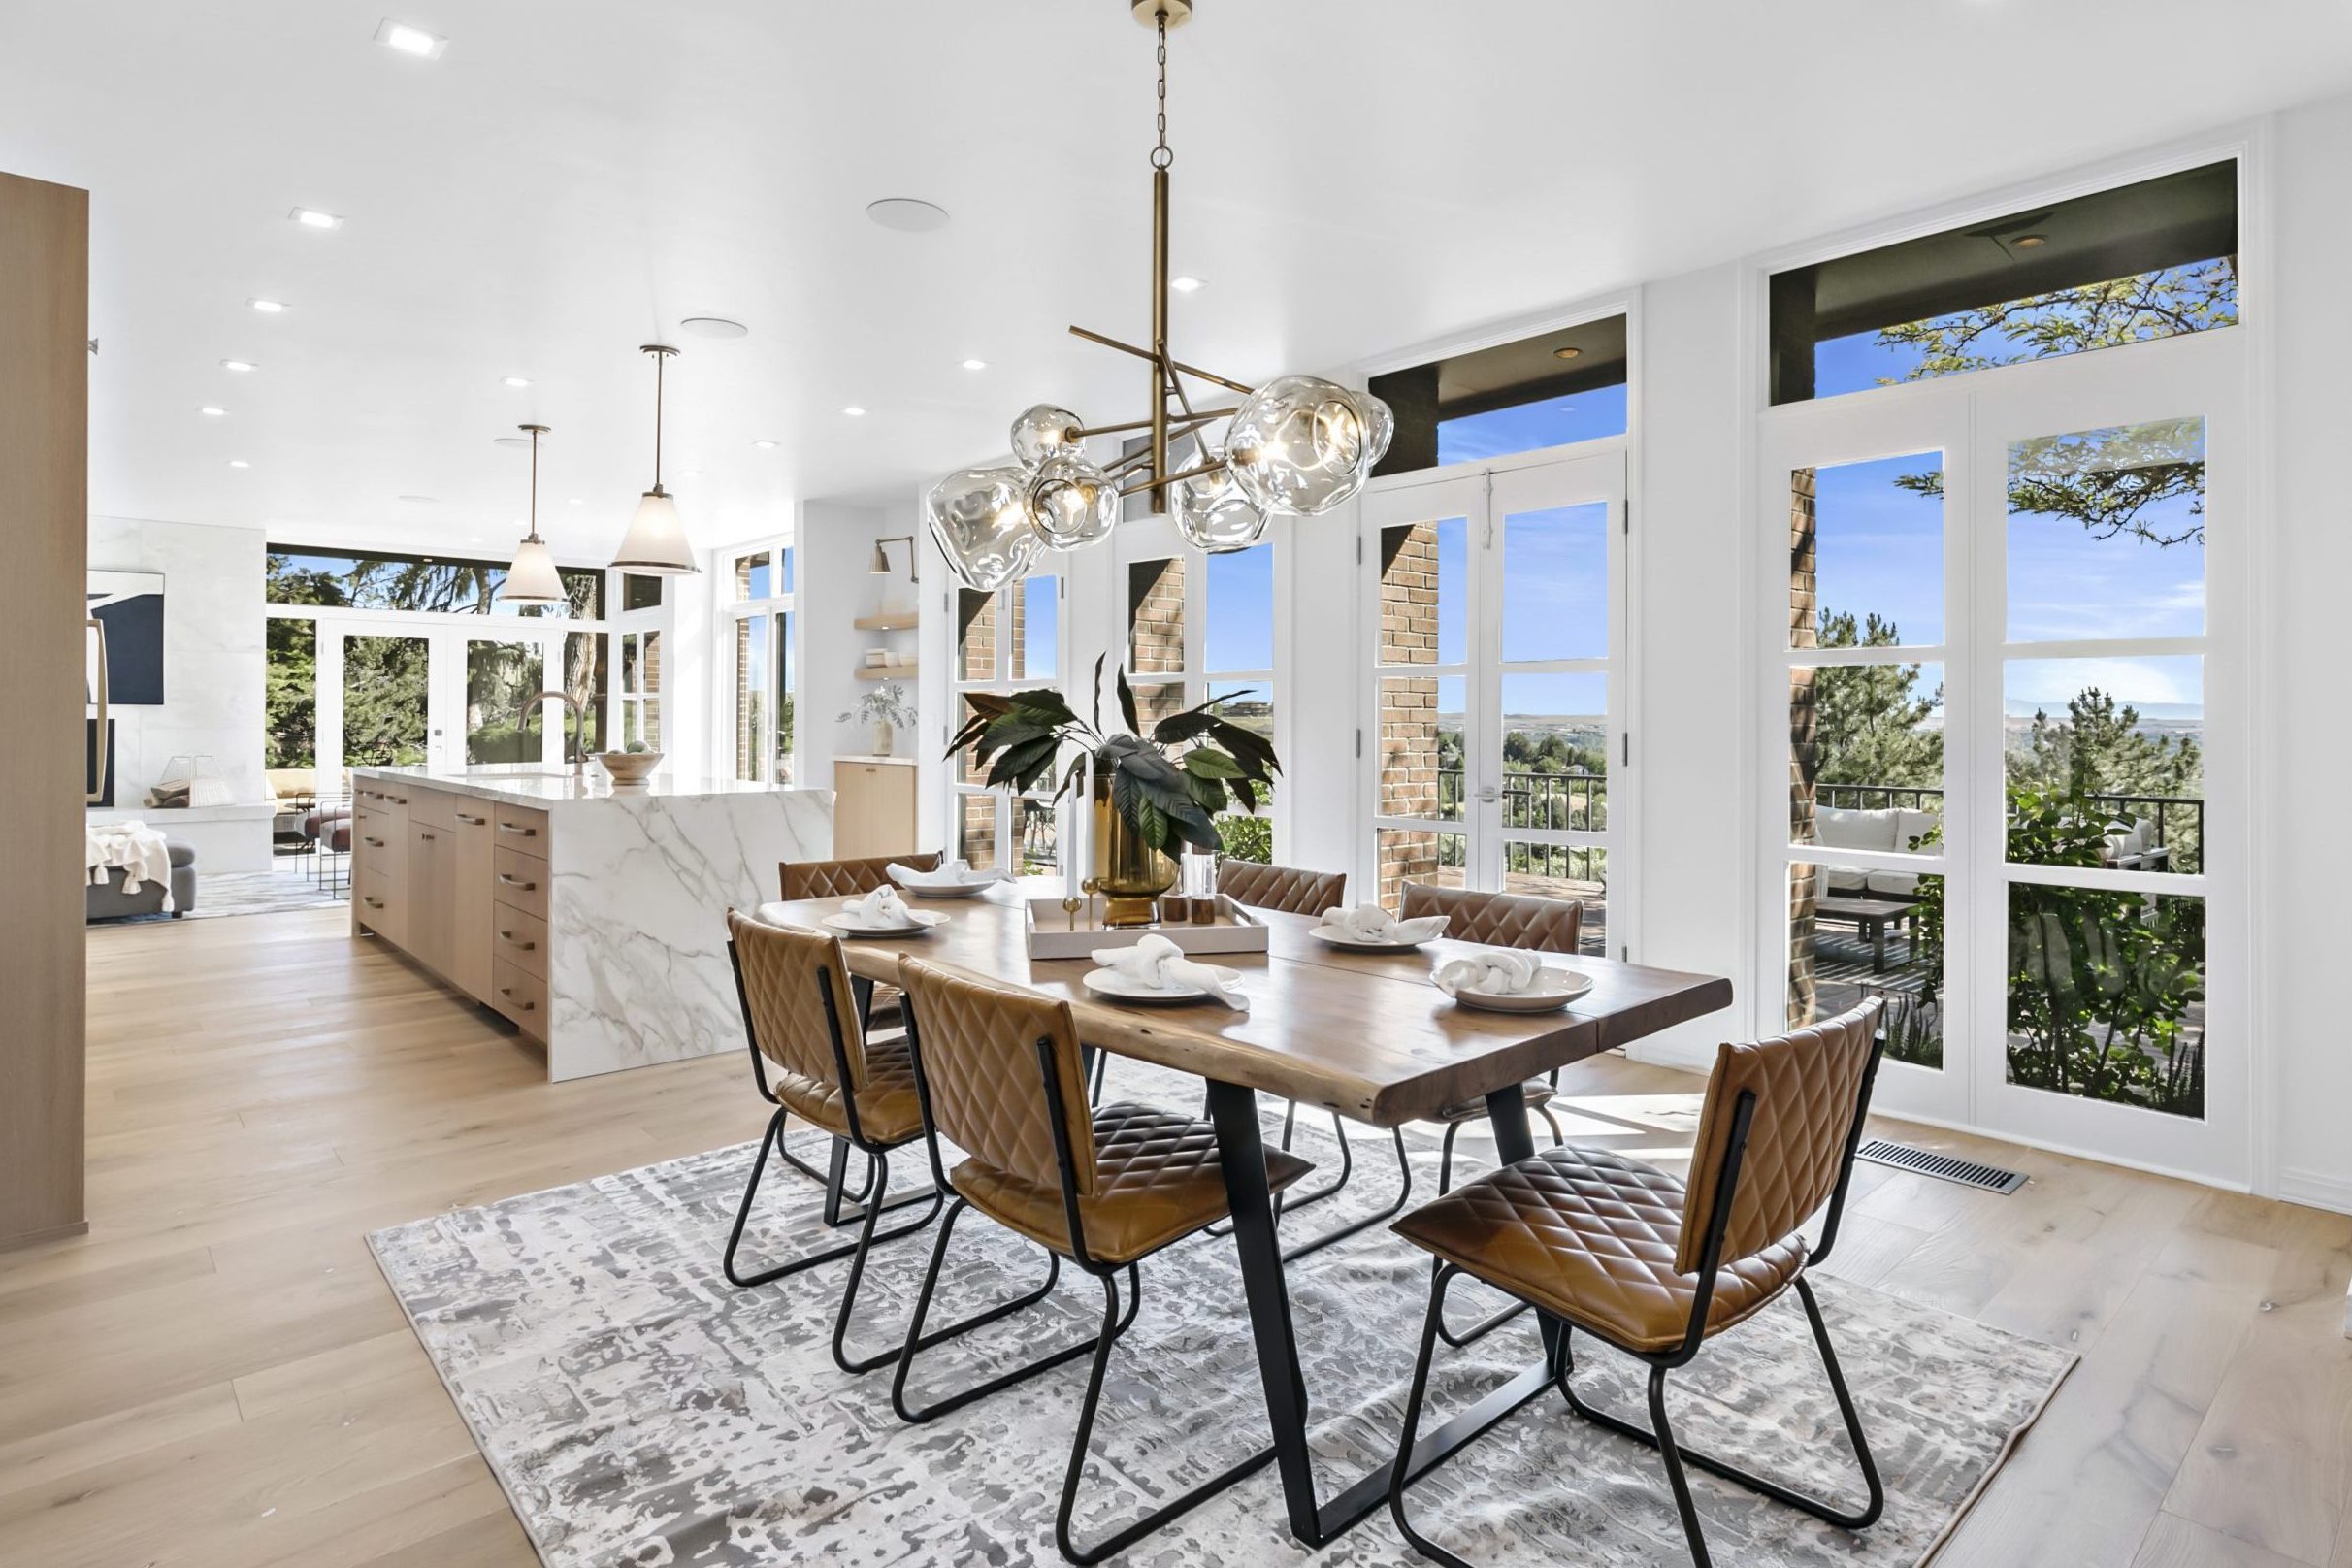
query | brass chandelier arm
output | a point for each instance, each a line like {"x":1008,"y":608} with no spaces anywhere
{"x":1210,"y":377}
{"x":1205,"y":416}
{"x":1194,"y":472}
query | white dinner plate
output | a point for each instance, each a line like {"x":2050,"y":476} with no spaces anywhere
{"x":949,"y":890}
{"x":1112,"y":985}
{"x":1553,"y":989}
{"x":923,"y":920}
{"x":1332,"y":936}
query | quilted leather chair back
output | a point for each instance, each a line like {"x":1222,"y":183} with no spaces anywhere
{"x":1498,"y":919}
{"x":1808,"y":1100}
{"x":976,"y":1055}
{"x":846,"y":879}
{"x":1279,"y":887}
{"x":784,"y":1009}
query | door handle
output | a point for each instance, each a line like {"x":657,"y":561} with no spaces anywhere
{"x":1489,"y":795}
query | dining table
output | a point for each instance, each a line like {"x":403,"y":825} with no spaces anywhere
{"x":1364,"y":1034}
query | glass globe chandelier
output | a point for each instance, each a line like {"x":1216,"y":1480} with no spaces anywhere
{"x":1296,"y":446}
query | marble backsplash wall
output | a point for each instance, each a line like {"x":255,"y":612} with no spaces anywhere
{"x":212,"y":651}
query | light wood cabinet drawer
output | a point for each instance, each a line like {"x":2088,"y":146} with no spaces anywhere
{"x":520,"y":827}
{"x":380,"y":906}
{"x":519,"y":881}
{"x":520,"y":995}
{"x":436,"y":808}
{"x":519,"y":939}
{"x":873,"y":810}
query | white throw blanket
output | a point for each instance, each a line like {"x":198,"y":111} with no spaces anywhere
{"x":1161,"y":963}
{"x":882,"y":909}
{"x":954,"y":874}
{"x":1496,"y":972}
{"x":1370,"y":923}
{"x":141,"y":852}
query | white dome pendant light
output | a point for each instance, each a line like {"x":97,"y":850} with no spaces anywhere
{"x":533,"y":578}
{"x":655,"y":544}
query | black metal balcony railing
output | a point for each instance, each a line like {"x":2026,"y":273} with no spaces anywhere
{"x":1576,"y":802}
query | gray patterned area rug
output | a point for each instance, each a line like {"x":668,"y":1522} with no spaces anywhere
{"x":641,"y":1411}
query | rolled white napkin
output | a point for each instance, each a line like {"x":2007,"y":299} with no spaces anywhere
{"x":1370,"y":923}
{"x":881,"y":907}
{"x":1498,"y":971}
{"x":1160,"y":963}
{"x":954,"y":874}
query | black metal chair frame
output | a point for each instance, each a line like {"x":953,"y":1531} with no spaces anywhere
{"x":1661,"y":1435}
{"x":1115,"y":1324}
{"x":865,"y":1208}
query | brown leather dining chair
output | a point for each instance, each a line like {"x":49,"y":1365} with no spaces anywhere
{"x":1657,"y":1267}
{"x":810,"y":1059}
{"x":999,"y":1075}
{"x":877,"y":1005}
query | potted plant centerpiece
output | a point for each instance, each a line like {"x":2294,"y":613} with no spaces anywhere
{"x":1152,"y":795}
{"x":884,"y":707}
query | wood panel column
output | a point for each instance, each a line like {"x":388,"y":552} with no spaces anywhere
{"x":45,"y":526}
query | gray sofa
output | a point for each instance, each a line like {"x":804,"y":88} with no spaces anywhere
{"x":107,"y":901}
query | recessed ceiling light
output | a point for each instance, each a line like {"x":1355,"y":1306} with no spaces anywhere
{"x":474,"y":538}
{"x":1567,"y":352}
{"x":399,"y":36}
{"x":694,"y":474}
{"x":2031,"y":241}
{"x":241,"y":366}
{"x":239,"y":463}
{"x":421,"y":500}
{"x":310,"y":218}
{"x":268,"y":306}
{"x":577,"y":500}
{"x":854,"y":411}
{"x":713,"y":326}
{"x":907,"y":214}
{"x":1185,"y":286}
{"x":975,"y":364}
{"x":765,"y":446}
{"x":211,"y":413}
{"x":514,"y":380}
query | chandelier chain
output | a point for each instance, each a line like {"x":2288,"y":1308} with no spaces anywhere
{"x":1161,"y":154}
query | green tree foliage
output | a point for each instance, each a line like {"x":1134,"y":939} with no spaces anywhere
{"x":1873,"y":722}
{"x":2100,"y":748}
{"x":2160,"y":304}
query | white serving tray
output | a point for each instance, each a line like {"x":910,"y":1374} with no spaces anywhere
{"x":1049,"y":937}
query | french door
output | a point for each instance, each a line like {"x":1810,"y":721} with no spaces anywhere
{"x":1492,"y":736}
{"x":392,"y":691}
{"x":2003,"y":745}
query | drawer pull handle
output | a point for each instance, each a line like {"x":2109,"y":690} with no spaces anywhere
{"x":507,"y":992}
{"x":397,"y":800}
{"x":514,"y":882}
{"x":427,"y":837}
{"x":508,"y":938}
{"x":517,"y":827}
{"x":373,"y":904}
{"x":373,"y":844}
{"x":472,"y":822}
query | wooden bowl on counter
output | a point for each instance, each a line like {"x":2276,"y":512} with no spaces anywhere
{"x":630,"y":769}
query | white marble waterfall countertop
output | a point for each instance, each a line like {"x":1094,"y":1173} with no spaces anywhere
{"x":535,"y":784}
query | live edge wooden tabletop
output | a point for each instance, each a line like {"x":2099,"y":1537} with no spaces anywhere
{"x":1359,"y":1032}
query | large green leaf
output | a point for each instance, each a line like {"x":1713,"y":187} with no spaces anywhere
{"x":1127,"y":702}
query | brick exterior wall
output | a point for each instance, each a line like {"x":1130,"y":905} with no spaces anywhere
{"x":1804,"y":745}
{"x":1156,"y":618}
{"x":1408,"y":705}
{"x":981,"y":619}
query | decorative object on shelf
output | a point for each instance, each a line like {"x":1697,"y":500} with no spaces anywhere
{"x":884,"y":707}
{"x":533,"y":578}
{"x":1148,"y":797}
{"x":1296,"y":446}
{"x":129,"y":606}
{"x":656,"y":541}
{"x":631,"y":766}
{"x":881,"y":562}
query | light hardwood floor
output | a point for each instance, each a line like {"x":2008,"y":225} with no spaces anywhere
{"x":218,"y":1374}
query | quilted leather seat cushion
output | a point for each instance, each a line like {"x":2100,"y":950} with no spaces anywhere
{"x":1159,"y":1181}
{"x":1591,"y":1237}
{"x":1280,"y":888}
{"x":1537,"y":1091}
{"x":889,"y":1111}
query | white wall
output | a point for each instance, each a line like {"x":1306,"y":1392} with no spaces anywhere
{"x":212,"y":651}
{"x":834,"y":585}
{"x":2305,"y":858}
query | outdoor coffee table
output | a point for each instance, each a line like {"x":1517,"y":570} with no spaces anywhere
{"x":1870,"y":916}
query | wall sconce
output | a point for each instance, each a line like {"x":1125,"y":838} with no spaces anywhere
{"x":881,"y":567}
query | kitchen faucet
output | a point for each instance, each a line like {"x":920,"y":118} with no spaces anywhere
{"x":579,"y":727}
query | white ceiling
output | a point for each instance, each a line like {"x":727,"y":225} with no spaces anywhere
{"x":575,"y":176}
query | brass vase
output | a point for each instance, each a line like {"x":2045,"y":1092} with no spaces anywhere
{"x":1129,"y":875}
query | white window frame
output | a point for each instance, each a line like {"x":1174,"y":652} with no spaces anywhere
{"x":1000,"y":681}
{"x":783,"y":629}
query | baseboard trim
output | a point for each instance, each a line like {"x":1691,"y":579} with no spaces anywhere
{"x":2315,"y":1191}
{"x":34,"y":1238}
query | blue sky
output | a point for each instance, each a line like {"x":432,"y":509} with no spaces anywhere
{"x":1551,"y":422}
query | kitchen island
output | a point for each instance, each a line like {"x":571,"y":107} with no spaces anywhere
{"x":594,"y":919}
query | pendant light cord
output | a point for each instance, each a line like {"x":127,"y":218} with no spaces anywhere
{"x":658,"y":362}
{"x":1161,"y":154}
{"x":534,"y":436}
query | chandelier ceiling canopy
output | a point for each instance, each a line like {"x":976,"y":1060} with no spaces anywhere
{"x":1296,"y":446}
